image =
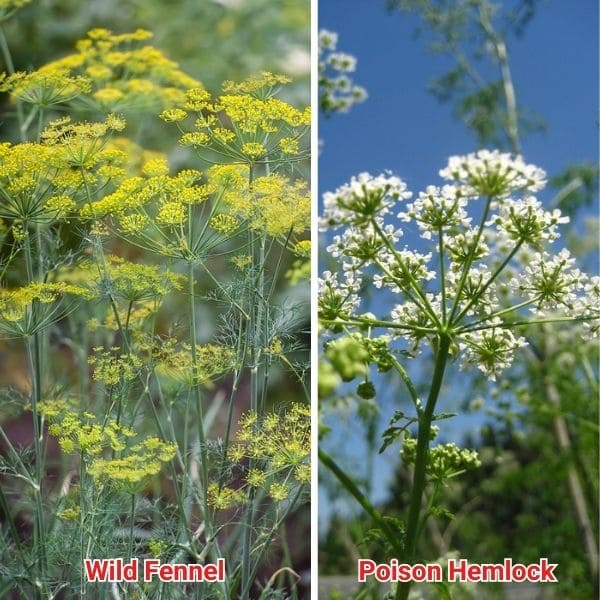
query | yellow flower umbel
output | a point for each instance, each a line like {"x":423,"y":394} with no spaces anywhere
{"x":154,"y":210}
{"x":113,"y":366}
{"x":133,"y":282}
{"x":222,"y":498}
{"x":82,"y":434}
{"x":109,"y":72}
{"x":45,"y":88}
{"x":46,"y":181}
{"x":300,"y":269}
{"x":282,"y":439}
{"x":271,"y":204}
{"x":17,"y":315}
{"x":247,"y":123}
{"x":277,"y":448}
{"x":138,"y":463}
{"x":174,"y":361}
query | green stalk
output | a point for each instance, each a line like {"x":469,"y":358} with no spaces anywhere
{"x":198,"y":399}
{"x":82,"y":510}
{"x":197,"y":394}
{"x":254,"y":334}
{"x":33,"y":354}
{"x":131,"y":528}
{"x":418,"y":487}
{"x":470,"y":258}
{"x":442,"y":271}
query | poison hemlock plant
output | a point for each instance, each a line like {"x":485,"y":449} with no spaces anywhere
{"x":489,"y":276}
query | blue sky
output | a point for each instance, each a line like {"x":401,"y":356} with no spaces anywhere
{"x":402,"y":127}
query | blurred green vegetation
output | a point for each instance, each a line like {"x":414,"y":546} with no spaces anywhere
{"x":213,"y":40}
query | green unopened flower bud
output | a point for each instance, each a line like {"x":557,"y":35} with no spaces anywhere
{"x":366,"y":390}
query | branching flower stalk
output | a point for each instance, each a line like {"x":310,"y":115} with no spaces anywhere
{"x":494,"y":279}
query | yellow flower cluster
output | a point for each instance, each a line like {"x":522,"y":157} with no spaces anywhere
{"x":247,"y":123}
{"x":142,"y":461}
{"x":69,"y":514}
{"x":137,"y":314}
{"x":255,"y":115}
{"x":134,"y":282}
{"x":278,"y":491}
{"x":81,"y":433}
{"x":110,"y":72}
{"x":45,"y":181}
{"x":272,"y":203}
{"x":16,"y":304}
{"x":82,"y":145}
{"x":281,"y":440}
{"x":114,"y":366}
{"x":278,"y":446}
{"x":143,"y":205}
{"x":299,"y":271}
{"x":225,"y":224}
{"x":300,"y":268}
{"x":222,"y":497}
{"x":242,"y":262}
{"x":175,"y":361}
{"x":45,"y":88}
{"x":263,"y":84}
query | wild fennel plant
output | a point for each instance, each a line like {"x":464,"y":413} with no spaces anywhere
{"x":489,"y":275}
{"x":121,"y":259}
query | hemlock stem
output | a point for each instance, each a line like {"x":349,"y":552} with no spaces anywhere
{"x":418,"y":487}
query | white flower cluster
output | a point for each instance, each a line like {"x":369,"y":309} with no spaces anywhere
{"x":337,"y":92}
{"x":338,"y":298}
{"x":437,"y":208}
{"x":551,"y":282}
{"x":491,"y":277}
{"x":526,"y":220}
{"x":490,"y":350}
{"x":493,"y":173}
{"x":364,"y":197}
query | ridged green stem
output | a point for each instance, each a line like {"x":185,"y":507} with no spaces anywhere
{"x":413,"y":527}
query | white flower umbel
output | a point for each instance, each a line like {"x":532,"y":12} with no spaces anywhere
{"x":338,"y":299}
{"x":363,"y":245}
{"x":526,"y":221}
{"x":490,"y":350}
{"x":461,"y":246}
{"x":493,"y":173}
{"x":327,"y":40}
{"x":399,"y":270}
{"x":363,"y":198}
{"x":552,"y":282}
{"x":437,"y":208}
{"x":588,"y":306}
